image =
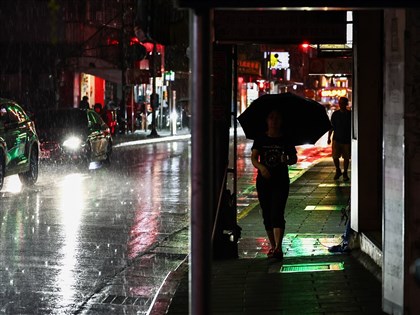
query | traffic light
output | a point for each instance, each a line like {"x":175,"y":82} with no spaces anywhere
{"x":154,"y":18}
{"x":280,"y":74}
{"x":261,"y":85}
{"x":304,"y":47}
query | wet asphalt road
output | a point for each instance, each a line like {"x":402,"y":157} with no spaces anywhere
{"x":81,"y":238}
{"x":102,"y":241}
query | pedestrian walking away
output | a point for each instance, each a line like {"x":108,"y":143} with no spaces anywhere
{"x":271,"y":155}
{"x":341,"y":138}
{"x":84,"y":103}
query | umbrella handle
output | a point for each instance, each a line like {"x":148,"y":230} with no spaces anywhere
{"x":284,"y":157}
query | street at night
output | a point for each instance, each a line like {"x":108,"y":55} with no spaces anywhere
{"x":209,"y":157}
{"x":79,"y":236}
{"x":81,"y":239}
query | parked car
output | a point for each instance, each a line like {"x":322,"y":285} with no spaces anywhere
{"x":19,"y":145}
{"x":73,"y":135}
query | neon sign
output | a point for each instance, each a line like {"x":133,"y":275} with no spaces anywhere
{"x":334,"y":93}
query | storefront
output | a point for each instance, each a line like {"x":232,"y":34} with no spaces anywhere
{"x":93,"y":87}
{"x":249,"y":72}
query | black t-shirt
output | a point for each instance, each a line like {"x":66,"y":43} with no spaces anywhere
{"x":270,"y":151}
{"x":341,"y":122}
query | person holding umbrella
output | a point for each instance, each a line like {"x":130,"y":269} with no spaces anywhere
{"x":271,"y":155}
{"x":277,"y":123}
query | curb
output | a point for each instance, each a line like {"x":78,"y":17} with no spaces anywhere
{"x":163,"y":298}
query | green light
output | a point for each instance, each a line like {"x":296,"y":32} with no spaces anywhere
{"x":298,"y":245}
{"x":312,"y":267}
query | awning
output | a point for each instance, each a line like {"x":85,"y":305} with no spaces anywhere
{"x":97,"y":67}
{"x":106,"y":74}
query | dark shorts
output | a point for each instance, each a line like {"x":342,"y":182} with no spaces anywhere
{"x":341,"y":150}
{"x":272,"y":195}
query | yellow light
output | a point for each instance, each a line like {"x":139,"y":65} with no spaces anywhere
{"x":334,"y":93}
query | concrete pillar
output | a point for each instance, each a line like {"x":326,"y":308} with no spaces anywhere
{"x":394,"y":163}
{"x":411,"y":222}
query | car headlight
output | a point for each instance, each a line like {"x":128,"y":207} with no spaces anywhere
{"x":72,"y":143}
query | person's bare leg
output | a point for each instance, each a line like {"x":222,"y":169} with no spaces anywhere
{"x":278,"y":237}
{"x":337,"y":168}
{"x":346,"y":163}
{"x":337,"y":163}
{"x":271,"y":238}
{"x":346,"y":166}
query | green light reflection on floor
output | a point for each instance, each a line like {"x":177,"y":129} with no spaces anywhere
{"x":312,"y":267}
{"x":294,"y":245}
{"x":298,"y":245}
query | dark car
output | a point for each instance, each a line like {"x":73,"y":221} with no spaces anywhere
{"x":19,"y":146}
{"x":73,"y":135}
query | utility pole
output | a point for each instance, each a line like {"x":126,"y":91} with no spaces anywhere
{"x":123,"y":45}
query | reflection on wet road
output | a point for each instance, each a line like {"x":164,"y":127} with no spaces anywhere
{"x":80,"y":237}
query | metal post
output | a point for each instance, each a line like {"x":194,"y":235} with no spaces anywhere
{"x":174,"y":113}
{"x":153,"y":100}
{"x":170,"y":105}
{"x":202,"y":161}
{"x":235,"y":124}
{"x":123,"y":107}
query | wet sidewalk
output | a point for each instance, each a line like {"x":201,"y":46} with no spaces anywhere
{"x":310,"y":279}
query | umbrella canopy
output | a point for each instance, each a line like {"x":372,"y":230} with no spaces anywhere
{"x":305,"y":120}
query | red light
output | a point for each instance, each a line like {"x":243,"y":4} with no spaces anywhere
{"x":134,"y":41}
{"x":304,"y":47}
{"x":112,"y":42}
{"x":262,"y":85}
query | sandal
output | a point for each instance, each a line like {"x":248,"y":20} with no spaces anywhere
{"x":270,"y":253}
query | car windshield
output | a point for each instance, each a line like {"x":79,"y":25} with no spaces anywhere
{"x":61,"y":119}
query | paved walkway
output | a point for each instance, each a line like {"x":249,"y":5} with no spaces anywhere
{"x":309,"y":280}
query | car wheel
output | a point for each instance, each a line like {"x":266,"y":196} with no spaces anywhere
{"x":2,"y":170}
{"x":30,"y":177}
{"x":88,"y":156}
{"x":108,"y":153}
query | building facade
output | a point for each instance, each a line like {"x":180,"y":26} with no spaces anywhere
{"x":56,"y":52}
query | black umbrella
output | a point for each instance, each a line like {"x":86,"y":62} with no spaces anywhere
{"x":305,"y":120}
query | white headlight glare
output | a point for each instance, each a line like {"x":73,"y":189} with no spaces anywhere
{"x":72,"y":143}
